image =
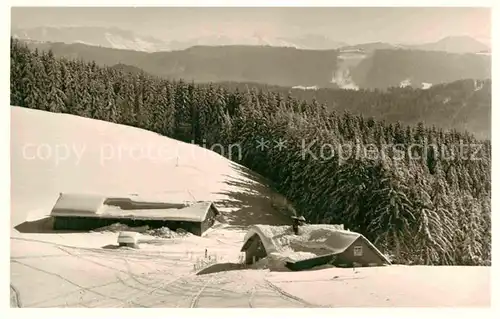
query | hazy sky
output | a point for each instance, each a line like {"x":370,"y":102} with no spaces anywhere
{"x":352,"y":25}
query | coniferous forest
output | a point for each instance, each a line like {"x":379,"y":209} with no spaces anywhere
{"x":431,"y":208}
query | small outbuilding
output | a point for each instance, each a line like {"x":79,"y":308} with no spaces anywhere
{"x":85,"y":212}
{"x":330,"y":244}
{"x":254,"y":249}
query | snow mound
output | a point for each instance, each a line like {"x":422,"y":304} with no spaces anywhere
{"x":165,"y":232}
{"x":277,"y":261}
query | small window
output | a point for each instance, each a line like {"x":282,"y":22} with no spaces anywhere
{"x":358,"y":251}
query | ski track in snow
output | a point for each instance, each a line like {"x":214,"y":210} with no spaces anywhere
{"x":150,"y":289}
{"x":146,"y":278}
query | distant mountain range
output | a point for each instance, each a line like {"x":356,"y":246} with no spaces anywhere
{"x":308,"y":61}
{"x":96,"y":36}
{"x":420,"y":69}
{"x":261,"y":64}
{"x":122,"y":39}
{"x":458,"y":44}
{"x":290,"y":67}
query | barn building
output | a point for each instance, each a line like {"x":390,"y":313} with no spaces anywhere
{"x":84,"y":212}
{"x":329,"y":244}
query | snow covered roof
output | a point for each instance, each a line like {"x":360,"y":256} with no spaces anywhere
{"x":195,"y":212}
{"x":78,"y":204}
{"x":98,"y":206}
{"x":329,"y":237}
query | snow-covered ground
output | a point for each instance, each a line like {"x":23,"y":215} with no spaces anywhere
{"x":347,"y":60}
{"x":426,"y":86}
{"x":301,"y":87}
{"x":405,"y":83}
{"x":52,"y":153}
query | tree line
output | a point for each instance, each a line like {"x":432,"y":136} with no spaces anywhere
{"x":426,"y":201}
{"x":464,"y":105}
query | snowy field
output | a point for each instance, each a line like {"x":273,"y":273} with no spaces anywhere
{"x":52,"y":153}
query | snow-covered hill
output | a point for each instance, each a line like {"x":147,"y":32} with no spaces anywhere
{"x":52,"y":153}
